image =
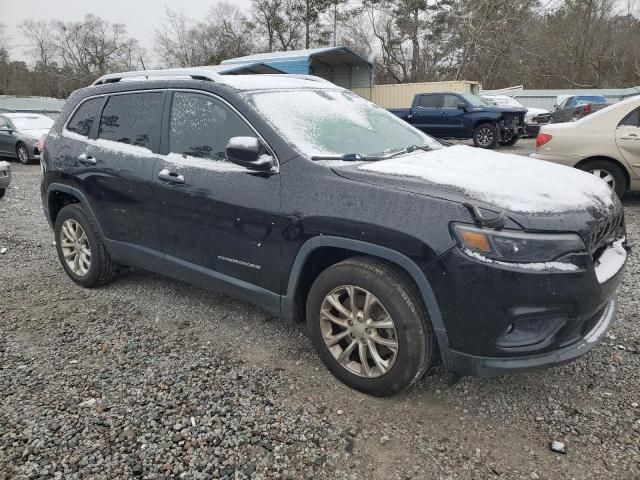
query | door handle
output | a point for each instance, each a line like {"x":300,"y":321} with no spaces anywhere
{"x":170,"y":177}
{"x":86,"y":159}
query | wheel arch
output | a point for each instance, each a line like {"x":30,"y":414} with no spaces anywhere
{"x":338,"y":248}
{"x":60,"y":195}
{"x":606,"y":158}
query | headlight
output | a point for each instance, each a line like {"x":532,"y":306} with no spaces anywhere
{"x":530,"y":118}
{"x":516,"y":246}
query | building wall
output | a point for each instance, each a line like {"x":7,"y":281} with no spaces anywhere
{"x":401,"y":95}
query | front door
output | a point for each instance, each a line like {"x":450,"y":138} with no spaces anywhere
{"x":7,"y":139}
{"x":628,"y":140}
{"x":219,"y":222}
{"x":452,"y":118}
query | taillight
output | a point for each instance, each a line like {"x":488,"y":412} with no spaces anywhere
{"x":41,"y":143}
{"x":587,"y":108}
{"x":542,"y":138}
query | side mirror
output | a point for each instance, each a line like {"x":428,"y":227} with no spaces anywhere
{"x":462,"y":106}
{"x":248,"y":152}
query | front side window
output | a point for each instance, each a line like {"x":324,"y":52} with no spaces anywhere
{"x":201,"y":126}
{"x":335,"y":122}
{"x":3,"y":122}
{"x":631,"y":120}
{"x":85,"y":116}
{"x":133,"y":119}
{"x":451,"y":101}
{"x":475,"y":100}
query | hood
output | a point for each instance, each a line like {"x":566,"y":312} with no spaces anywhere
{"x":537,"y":111}
{"x":499,"y":109}
{"x":37,"y":133}
{"x":529,"y":190}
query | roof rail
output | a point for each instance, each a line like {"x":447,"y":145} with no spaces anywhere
{"x":196,"y":73}
{"x":312,"y":78}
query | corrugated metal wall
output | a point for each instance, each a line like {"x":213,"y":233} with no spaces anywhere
{"x":401,"y":94}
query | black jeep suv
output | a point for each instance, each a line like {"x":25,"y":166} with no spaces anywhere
{"x":301,"y":197}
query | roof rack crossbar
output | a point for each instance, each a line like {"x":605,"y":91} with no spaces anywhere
{"x":194,"y":73}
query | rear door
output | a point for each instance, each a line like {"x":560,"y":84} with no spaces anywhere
{"x":426,"y":114}
{"x":628,"y":140}
{"x":116,"y":166}
{"x":219,"y":221}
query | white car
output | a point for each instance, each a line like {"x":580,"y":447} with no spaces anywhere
{"x":605,"y":143}
{"x":531,"y":120}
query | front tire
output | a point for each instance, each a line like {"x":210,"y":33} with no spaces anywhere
{"x":80,"y":248}
{"x":485,"y":135}
{"x":509,"y":141}
{"x":609,"y":172}
{"x":368,"y":324}
{"x":23,"y":153}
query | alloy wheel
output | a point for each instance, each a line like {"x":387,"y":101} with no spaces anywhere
{"x":358,"y":331}
{"x":23,"y":154}
{"x":484,"y":136}
{"x":75,"y":247}
{"x":604,"y":175}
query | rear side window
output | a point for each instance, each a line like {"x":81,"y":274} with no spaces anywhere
{"x":133,"y":119}
{"x":201,"y":126}
{"x":84,"y":117}
{"x":631,"y":120}
{"x":430,"y":101}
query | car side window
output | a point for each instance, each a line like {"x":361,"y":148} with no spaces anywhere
{"x":430,"y":101}
{"x":133,"y":118}
{"x":201,"y":126}
{"x":85,"y":115}
{"x":3,"y":123}
{"x":451,"y":101}
{"x":564,"y":103}
{"x":631,"y":120}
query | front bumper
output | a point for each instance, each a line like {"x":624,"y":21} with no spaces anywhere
{"x":5,"y":175}
{"x":475,"y":365}
{"x":501,"y":319}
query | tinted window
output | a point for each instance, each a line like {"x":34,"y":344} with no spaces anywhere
{"x":201,"y":126}
{"x":84,"y":117}
{"x":133,"y":119}
{"x":631,"y":120}
{"x":451,"y":101}
{"x":430,"y":101}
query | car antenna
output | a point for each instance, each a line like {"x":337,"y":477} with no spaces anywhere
{"x":143,"y":67}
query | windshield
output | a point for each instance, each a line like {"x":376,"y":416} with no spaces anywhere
{"x":334,"y":122}
{"x":32,"y":123}
{"x":474,"y":100}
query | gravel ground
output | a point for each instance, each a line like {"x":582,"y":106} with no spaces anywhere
{"x":155,"y":378}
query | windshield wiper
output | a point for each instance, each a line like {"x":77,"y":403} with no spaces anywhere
{"x":356,"y":157}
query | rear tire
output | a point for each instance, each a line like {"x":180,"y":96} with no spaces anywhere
{"x":78,"y":240}
{"x":609,"y":172}
{"x":23,"y":153}
{"x":485,"y":135}
{"x":394,"y":333}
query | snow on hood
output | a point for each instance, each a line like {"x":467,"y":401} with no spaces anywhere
{"x":35,"y":133}
{"x":512,"y":182}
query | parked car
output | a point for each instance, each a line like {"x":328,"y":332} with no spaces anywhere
{"x":606,"y":144}
{"x":20,"y":133}
{"x":299,"y":196}
{"x":5,"y":177}
{"x":577,"y":106}
{"x":464,"y":115}
{"x":533,"y":119}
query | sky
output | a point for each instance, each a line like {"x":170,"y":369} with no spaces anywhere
{"x":141,"y":17}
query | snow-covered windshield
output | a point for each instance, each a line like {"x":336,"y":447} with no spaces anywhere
{"x":335,"y":122}
{"x":475,"y":100}
{"x":32,"y":122}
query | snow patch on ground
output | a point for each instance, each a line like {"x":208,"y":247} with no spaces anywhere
{"x":512,"y":182}
{"x":534,"y":267}
{"x":611,"y":261}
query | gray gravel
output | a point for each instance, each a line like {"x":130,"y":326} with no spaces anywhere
{"x":155,"y":378}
